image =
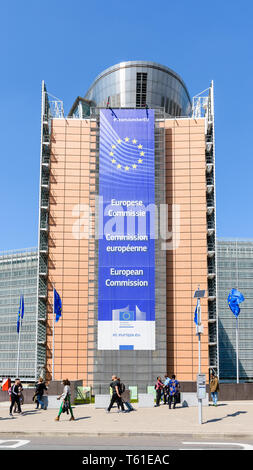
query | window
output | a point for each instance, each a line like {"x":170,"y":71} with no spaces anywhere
{"x":141,"y":89}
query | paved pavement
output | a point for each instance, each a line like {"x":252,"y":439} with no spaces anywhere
{"x":228,"y":419}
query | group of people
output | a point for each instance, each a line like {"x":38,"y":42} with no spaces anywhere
{"x":167,"y":391}
{"x":15,"y":392}
{"x":17,"y":398}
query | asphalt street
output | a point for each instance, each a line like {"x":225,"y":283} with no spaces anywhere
{"x":183,"y":442}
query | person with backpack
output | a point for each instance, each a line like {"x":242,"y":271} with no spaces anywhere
{"x":125,"y":396}
{"x":15,"y":396}
{"x":39,"y":391}
{"x":116,"y":396}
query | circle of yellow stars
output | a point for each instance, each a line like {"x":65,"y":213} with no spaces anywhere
{"x":118,"y":165}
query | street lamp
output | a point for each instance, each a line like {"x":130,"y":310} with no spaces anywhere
{"x":201,"y":382}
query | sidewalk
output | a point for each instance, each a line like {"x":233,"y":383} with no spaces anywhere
{"x":228,"y":419}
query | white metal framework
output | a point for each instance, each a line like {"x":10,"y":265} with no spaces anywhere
{"x":203,"y":107}
{"x":51,"y":107}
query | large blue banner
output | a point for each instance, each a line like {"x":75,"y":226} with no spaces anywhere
{"x":126,"y":269}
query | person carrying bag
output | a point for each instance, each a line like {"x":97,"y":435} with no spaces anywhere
{"x":66,"y":403}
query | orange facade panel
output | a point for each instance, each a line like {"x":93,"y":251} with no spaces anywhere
{"x":187,"y":264}
{"x":71,"y":269}
{"x":69,"y":246}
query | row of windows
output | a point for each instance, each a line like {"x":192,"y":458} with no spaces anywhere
{"x":13,"y":267}
{"x":26,"y":327}
{"x":12,"y":274}
{"x":226,"y":284}
{"x":13,"y":355}
{"x":233,"y":276}
{"x":24,"y":346}
{"x":14,"y":261}
{"x":9,"y":300}
{"x":6,"y":366}
{"x":27,"y":291}
{"x":18,"y":282}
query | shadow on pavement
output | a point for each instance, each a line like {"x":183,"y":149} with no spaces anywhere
{"x":83,"y":417}
{"x":30,"y":412}
{"x":233,"y":415}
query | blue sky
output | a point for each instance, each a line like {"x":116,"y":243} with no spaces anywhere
{"x":69,"y":43}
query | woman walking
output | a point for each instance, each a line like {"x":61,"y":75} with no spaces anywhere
{"x":214,"y":388}
{"x":66,"y":402}
{"x":158,"y":387}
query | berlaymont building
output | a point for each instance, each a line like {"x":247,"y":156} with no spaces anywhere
{"x":127,"y":229}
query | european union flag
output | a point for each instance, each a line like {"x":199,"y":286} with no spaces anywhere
{"x":57,"y":305}
{"x":126,"y":316}
{"x":196,"y":315}
{"x":20,"y":312}
{"x":234,"y":299}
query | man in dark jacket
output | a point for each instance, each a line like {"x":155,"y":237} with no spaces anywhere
{"x":40,"y":387}
{"x":15,"y":396}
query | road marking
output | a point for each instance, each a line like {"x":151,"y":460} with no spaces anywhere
{"x":244,"y":446}
{"x":17,"y":443}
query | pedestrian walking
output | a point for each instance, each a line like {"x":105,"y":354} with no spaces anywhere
{"x":158,"y":387}
{"x":21,"y":397}
{"x":174,"y":388}
{"x":66,"y":402}
{"x":39,"y":392}
{"x":214,"y":388}
{"x":125,"y":396}
{"x":15,"y":396}
{"x":116,"y":396}
{"x":166,"y":389}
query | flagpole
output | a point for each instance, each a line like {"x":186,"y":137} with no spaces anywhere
{"x":234,"y":299}
{"x":199,"y":335}
{"x":19,"y":335}
{"x":237,"y":352}
{"x":201,"y":385}
{"x":53,"y":341}
{"x":199,"y":323}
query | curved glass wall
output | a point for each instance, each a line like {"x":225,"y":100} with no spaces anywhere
{"x":139,"y":84}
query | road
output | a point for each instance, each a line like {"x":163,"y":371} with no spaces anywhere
{"x":44,"y":443}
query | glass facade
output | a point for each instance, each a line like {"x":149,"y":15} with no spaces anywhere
{"x":18,"y":275}
{"x":235,"y":270}
{"x":139,"y":84}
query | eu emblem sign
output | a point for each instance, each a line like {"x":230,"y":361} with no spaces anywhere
{"x":126,"y":258}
